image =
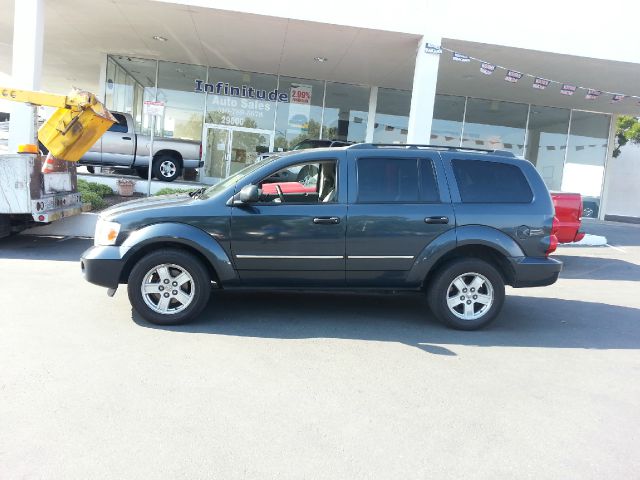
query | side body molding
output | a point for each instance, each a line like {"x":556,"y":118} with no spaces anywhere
{"x":189,"y":236}
{"x":471,"y":235}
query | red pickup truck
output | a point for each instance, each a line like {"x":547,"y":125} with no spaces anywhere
{"x":568,"y":216}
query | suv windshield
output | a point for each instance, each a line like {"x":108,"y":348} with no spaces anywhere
{"x":233,"y":179}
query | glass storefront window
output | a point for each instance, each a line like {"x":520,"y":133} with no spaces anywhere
{"x":241,"y":99}
{"x":345,"y":112}
{"x":446,"y":127}
{"x":129,"y":82}
{"x":299,"y":118}
{"x":547,"y":142}
{"x":586,"y":153}
{"x":392,"y":116}
{"x":494,"y":124}
{"x":183,"y":106}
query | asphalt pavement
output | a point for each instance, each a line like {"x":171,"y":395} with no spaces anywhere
{"x":320,"y":386}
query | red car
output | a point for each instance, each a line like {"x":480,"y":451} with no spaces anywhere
{"x":287,"y":187}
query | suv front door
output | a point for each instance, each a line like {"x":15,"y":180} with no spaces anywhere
{"x":295,"y":235}
{"x":399,"y":204}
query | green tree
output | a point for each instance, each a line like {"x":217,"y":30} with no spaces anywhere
{"x":627,"y":130}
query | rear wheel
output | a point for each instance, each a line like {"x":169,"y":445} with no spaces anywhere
{"x":166,"y":168}
{"x":91,"y":169}
{"x":466,"y":294}
{"x":169,"y":287}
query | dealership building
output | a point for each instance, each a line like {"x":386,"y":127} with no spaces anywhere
{"x":264,"y":79}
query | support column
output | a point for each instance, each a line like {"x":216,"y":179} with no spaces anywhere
{"x":102,"y":79}
{"x":425,"y":78}
{"x":608,"y":164}
{"x":26,"y":67}
{"x":371,"y":117}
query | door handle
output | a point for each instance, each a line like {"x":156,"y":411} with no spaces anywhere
{"x":126,"y":138}
{"x":326,"y":220}
{"x":436,"y":220}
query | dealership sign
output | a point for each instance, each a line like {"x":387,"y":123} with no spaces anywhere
{"x":242,"y":91}
{"x":299,"y":108}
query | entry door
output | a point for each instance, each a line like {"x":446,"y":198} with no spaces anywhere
{"x":246,"y":145}
{"x":229,"y":149}
{"x":216,"y":152}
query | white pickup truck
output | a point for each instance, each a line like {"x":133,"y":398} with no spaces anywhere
{"x":121,"y":147}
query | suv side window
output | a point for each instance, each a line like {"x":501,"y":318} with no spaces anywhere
{"x":396,"y":180}
{"x":121,"y":124}
{"x":491,"y":182}
{"x":310,"y":182}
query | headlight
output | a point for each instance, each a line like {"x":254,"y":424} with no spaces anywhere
{"x":106,"y":232}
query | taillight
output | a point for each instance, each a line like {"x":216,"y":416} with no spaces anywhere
{"x":580,"y":210}
{"x":553,"y":239}
{"x":553,"y":244}
{"x":200,"y":157}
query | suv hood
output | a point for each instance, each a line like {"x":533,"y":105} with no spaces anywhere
{"x":148,"y":204}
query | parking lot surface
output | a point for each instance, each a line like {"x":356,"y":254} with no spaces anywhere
{"x":299,"y":385}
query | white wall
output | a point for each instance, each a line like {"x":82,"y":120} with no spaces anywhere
{"x":623,"y":196}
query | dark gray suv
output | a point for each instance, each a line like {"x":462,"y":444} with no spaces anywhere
{"x":455,"y":224}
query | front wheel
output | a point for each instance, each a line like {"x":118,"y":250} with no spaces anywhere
{"x":169,"y":287}
{"x":466,"y":294}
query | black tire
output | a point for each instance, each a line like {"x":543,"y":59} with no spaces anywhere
{"x":166,"y":168}
{"x":91,"y":169}
{"x":142,"y":172}
{"x":441,"y":288}
{"x":198,"y":289}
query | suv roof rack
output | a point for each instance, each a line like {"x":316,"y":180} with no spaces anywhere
{"x":418,"y":146}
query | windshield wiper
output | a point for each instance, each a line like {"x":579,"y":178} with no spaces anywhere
{"x":198,"y":192}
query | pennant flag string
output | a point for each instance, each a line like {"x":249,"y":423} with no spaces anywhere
{"x":539,"y":83}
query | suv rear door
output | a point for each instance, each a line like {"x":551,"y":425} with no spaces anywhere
{"x":398,"y":205}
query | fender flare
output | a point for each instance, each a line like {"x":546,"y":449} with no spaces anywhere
{"x":187,"y":235}
{"x":468,"y":235}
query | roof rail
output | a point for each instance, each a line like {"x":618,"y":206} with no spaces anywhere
{"x":417,"y":146}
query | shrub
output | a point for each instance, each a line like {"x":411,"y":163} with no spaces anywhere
{"x":170,"y":191}
{"x":100,"y":189}
{"x":93,"y":198}
{"x":92,"y":193}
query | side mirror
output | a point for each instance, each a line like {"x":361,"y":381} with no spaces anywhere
{"x":249,"y":194}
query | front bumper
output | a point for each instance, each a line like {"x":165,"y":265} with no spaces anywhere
{"x":535,"y":271}
{"x":103,"y":265}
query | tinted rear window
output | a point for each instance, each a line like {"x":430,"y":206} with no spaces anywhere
{"x":491,"y":182}
{"x":401,"y":180}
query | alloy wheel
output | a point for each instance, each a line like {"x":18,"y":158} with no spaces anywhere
{"x":470,"y":296}
{"x":167,"y":289}
{"x":168,"y":168}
